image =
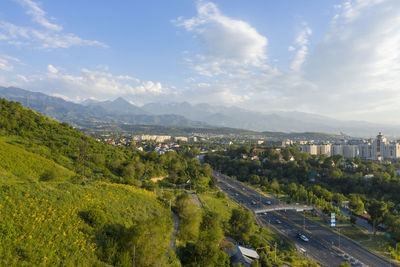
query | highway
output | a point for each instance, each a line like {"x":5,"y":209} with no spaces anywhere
{"x":289,"y":223}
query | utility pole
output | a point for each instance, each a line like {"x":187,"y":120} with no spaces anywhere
{"x":275,"y":245}
{"x":304,"y":220}
{"x":339,"y":237}
{"x":133,"y":257}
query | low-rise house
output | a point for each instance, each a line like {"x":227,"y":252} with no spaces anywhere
{"x":368,"y":176}
{"x":244,"y":256}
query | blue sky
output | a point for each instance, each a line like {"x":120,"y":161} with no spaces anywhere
{"x":338,"y":58}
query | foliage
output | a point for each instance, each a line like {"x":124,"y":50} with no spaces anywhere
{"x":29,"y":166}
{"x":319,"y":180}
{"x":48,"y":216}
{"x":190,"y":217}
{"x":241,"y":224}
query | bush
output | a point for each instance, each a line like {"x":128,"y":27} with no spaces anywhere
{"x":95,"y":217}
{"x":49,"y":175}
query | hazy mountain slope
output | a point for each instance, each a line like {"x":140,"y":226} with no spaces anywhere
{"x":119,"y":106}
{"x":117,"y":111}
{"x":184,"y":114}
{"x":277,"y":121}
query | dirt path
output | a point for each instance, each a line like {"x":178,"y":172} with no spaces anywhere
{"x":176,"y":226}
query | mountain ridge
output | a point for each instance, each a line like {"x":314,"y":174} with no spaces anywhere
{"x":121,"y":111}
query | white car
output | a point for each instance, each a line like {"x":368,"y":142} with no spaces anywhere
{"x":304,"y":238}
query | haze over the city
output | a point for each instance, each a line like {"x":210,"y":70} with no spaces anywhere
{"x":335,"y":58}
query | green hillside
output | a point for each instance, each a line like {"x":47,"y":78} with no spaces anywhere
{"x":78,"y":225}
{"x":68,"y":200}
{"x":23,"y":165}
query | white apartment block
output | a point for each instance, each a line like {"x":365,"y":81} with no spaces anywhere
{"x":310,"y":148}
{"x":324,"y":149}
{"x":157,"y":138}
{"x":375,"y":149}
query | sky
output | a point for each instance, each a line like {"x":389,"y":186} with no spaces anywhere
{"x":339,"y":58}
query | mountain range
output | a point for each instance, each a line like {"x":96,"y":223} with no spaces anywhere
{"x":188,"y":115}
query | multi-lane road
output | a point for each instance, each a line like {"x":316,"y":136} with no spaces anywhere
{"x":324,"y":245}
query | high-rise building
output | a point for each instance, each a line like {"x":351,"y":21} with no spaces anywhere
{"x":375,"y":149}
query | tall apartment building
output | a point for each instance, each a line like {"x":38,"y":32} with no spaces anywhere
{"x":375,"y":149}
{"x":324,"y":149}
{"x":310,"y":148}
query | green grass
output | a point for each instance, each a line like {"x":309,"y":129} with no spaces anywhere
{"x":41,"y":223}
{"x":223,"y":207}
{"x":354,"y":233}
{"x":17,"y":163}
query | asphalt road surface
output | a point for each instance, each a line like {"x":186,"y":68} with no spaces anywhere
{"x":290,"y":223}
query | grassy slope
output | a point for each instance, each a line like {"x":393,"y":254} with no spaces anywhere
{"x":40,"y":222}
{"x":20,"y":163}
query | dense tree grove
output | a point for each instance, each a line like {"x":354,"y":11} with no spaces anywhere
{"x":319,"y":180}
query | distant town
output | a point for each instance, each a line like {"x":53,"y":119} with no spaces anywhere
{"x":379,"y":148}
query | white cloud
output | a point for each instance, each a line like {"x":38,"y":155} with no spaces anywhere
{"x":76,"y":99}
{"x":4,"y":65}
{"x":38,"y":15}
{"x":351,"y":73}
{"x":6,"y":62}
{"x":89,"y":83}
{"x":227,"y":42}
{"x":50,"y":37}
{"x":52,"y":69}
{"x":301,"y":54}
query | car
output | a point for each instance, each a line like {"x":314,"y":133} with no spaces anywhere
{"x":303,"y":250}
{"x":253,"y":202}
{"x":268,"y":202}
{"x":302,"y":237}
{"x":278,"y":221}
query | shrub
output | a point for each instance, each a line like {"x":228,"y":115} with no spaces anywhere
{"x":49,"y":175}
{"x":95,"y":217}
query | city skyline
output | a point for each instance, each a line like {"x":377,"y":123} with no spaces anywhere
{"x":337,"y":59}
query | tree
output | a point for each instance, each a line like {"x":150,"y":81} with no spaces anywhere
{"x":241,"y":224}
{"x":274,"y":186}
{"x":190,"y":216}
{"x":292,"y":189}
{"x":377,"y":210}
{"x":145,"y":242}
{"x":356,"y":204}
{"x":254,"y":179}
{"x":336,"y":174}
{"x":205,"y":252}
